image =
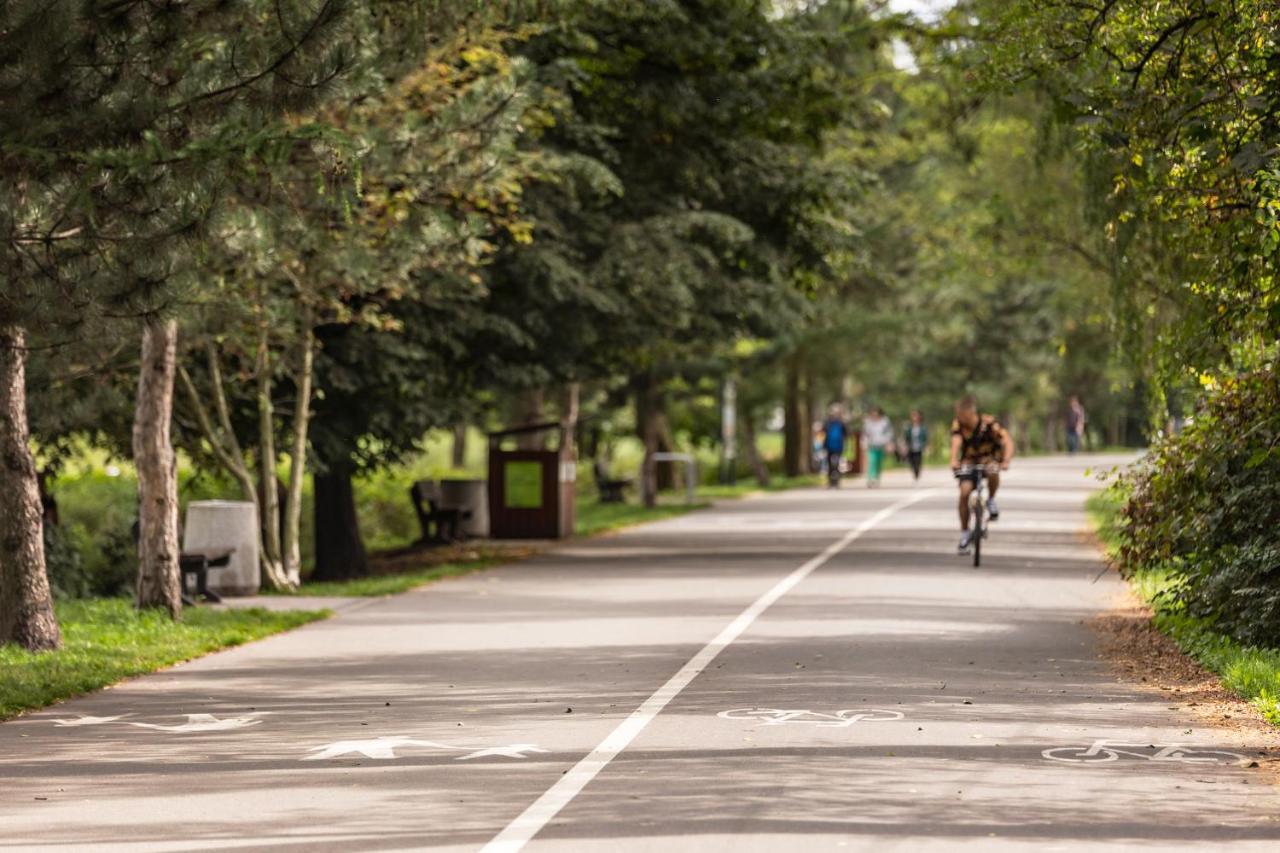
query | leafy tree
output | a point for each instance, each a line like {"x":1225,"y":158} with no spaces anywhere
{"x":1177,"y":104}
{"x":115,"y":122}
{"x":691,"y":210}
{"x":363,"y":276}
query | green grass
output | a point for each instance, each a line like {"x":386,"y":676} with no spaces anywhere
{"x":1251,"y":672}
{"x":393,"y":584}
{"x":748,"y":487}
{"x":106,"y":640}
{"x":596,"y":518}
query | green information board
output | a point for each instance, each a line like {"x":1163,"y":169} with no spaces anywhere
{"x":522,"y":484}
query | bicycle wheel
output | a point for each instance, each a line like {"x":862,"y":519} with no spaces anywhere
{"x":1207,"y":756}
{"x":1080,"y":755}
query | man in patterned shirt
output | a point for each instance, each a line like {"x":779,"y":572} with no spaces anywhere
{"x":977,"y":439}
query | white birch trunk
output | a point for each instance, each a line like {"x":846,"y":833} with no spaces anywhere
{"x":272,"y":567}
{"x":159,"y":580}
{"x":298,"y":457}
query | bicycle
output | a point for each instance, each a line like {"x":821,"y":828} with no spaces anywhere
{"x":1102,"y":751}
{"x":977,"y":505}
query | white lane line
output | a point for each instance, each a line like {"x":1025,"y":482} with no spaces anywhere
{"x":544,"y":809}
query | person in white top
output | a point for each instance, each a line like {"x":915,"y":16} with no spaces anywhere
{"x":877,"y":432}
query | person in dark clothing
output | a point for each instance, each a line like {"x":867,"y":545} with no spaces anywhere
{"x":835,"y":434}
{"x":916,"y":440}
{"x":1075,"y":424}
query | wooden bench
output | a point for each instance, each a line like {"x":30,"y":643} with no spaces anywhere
{"x":612,"y":490}
{"x":439,"y":523}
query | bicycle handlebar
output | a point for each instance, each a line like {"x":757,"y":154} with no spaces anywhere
{"x":966,"y":470}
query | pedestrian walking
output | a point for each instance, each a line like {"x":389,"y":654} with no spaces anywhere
{"x":915,"y":439}
{"x":834,"y":435}
{"x":877,"y":430}
{"x":1075,"y":424}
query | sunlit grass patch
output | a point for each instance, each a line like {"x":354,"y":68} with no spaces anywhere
{"x":106,"y":640}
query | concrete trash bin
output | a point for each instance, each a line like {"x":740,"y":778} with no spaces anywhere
{"x":213,"y":525}
{"x":468,"y":495}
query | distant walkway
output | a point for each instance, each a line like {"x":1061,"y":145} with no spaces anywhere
{"x":806,"y":670}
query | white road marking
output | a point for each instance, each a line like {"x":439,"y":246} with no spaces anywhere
{"x":839,"y":719}
{"x":515,"y":750}
{"x":1106,"y":751}
{"x":203,"y":723}
{"x":384,"y":748}
{"x":88,"y":721}
{"x":521,"y":830}
{"x":379,"y":747}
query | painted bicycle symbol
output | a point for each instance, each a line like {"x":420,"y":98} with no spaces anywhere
{"x":1104,"y":751}
{"x":782,"y":717}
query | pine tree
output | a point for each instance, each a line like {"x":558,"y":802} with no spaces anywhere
{"x":116,"y":121}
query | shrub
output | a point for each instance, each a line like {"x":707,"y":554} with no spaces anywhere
{"x":1205,"y":506}
{"x":67,"y":576}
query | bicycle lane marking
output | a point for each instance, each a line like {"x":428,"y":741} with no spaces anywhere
{"x":543,"y":810}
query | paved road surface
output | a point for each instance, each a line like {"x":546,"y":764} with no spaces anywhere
{"x":615,"y":695}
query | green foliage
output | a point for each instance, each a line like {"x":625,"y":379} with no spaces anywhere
{"x":106,"y":640}
{"x":1205,"y":507}
{"x":67,"y":577}
{"x":1175,"y":103}
{"x":1251,"y":671}
{"x":689,"y":207}
{"x":595,"y":518}
{"x":108,"y":174}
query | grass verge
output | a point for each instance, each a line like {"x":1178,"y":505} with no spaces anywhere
{"x":597,"y":518}
{"x":105,"y":640}
{"x":1251,"y":672}
{"x":392,"y":584}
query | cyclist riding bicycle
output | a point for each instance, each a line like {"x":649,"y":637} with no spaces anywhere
{"x":977,"y":441}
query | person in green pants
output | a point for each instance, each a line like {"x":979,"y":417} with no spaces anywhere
{"x":877,"y":431}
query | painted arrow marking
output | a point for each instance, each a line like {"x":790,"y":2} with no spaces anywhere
{"x":384,"y":748}
{"x":88,"y":721}
{"x":515,"y":750}
{"x":203,"y":723}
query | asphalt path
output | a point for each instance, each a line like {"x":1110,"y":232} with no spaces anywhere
{"x":810,"y":669}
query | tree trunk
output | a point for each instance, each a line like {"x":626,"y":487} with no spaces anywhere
{"x":159,"y":581}
{"x":812,"y":410}
{"x":530,"y":409}
{"x":795,"y":428}
{"x":298,"y":457}
{"x":273,"y":574}
{"x":570,"y":406}
{"x":648,"y":428}
{"x":667,"y":473}
{"x":340,"y":552}
{"x":751,"y":451}
{"x":26,"y":605}
{"x":459,"y":458}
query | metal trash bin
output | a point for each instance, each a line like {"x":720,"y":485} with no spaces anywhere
{"x":213,"y":525}
{"x":471,"y":497}
{"x":531,"y":492}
